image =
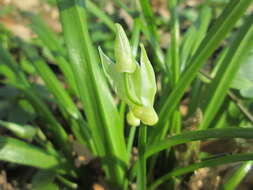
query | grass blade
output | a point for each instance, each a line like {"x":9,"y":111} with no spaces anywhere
{"x":174,"y":62}
{"x":235,"y":180}
{"x":231,"y":132}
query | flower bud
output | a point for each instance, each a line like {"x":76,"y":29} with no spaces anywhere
{"x":148,"y":83}
{"x":123,"y":52}
{"x":132,"y":120}
{"x":135,"y":84}
{"x":146,"y":114}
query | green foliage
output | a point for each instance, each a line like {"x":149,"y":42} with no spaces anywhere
{"x":205,"y":65}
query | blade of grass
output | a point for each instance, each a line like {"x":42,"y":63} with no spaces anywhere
{"x":224,"y":24}
{"x":219,"y":86}
{"x":208,"y":163}
{"x":174,"y":62}
{"x":223,"y":133}
{"x":103,"y":117}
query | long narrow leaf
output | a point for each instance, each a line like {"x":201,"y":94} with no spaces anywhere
{"x":19,"y":152}
{"x":238,"y":176}
{"x":103,"y":117}
{"x":223,"y":133}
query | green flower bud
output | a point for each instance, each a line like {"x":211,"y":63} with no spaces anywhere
{"x":123,"y":52}
{"x":138,"y":87}
{"x":148,"y":83}
{"x":122,"y":83}
{"x":132,"y":120}
{"x":146,"y":114}
{"x":115,"y":78}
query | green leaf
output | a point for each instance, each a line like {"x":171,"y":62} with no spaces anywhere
{"x":230,"y":132}
{"x":22,"y":131}
{"x":100,"y":109}
{"x":19,"y":152}
{"x":238,"y":176}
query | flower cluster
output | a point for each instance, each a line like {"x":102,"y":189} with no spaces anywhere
{"x":134,"y":83}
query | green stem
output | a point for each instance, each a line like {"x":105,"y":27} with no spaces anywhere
{"x":142,"y":170}
{"x":131,"y":140}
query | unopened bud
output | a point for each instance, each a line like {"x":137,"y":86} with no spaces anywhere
{"x":132,"y":120}
{"x":146,"y":114}
{"x":123,"y":52}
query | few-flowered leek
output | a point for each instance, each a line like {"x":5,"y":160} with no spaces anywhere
{"x":138,"y":87}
